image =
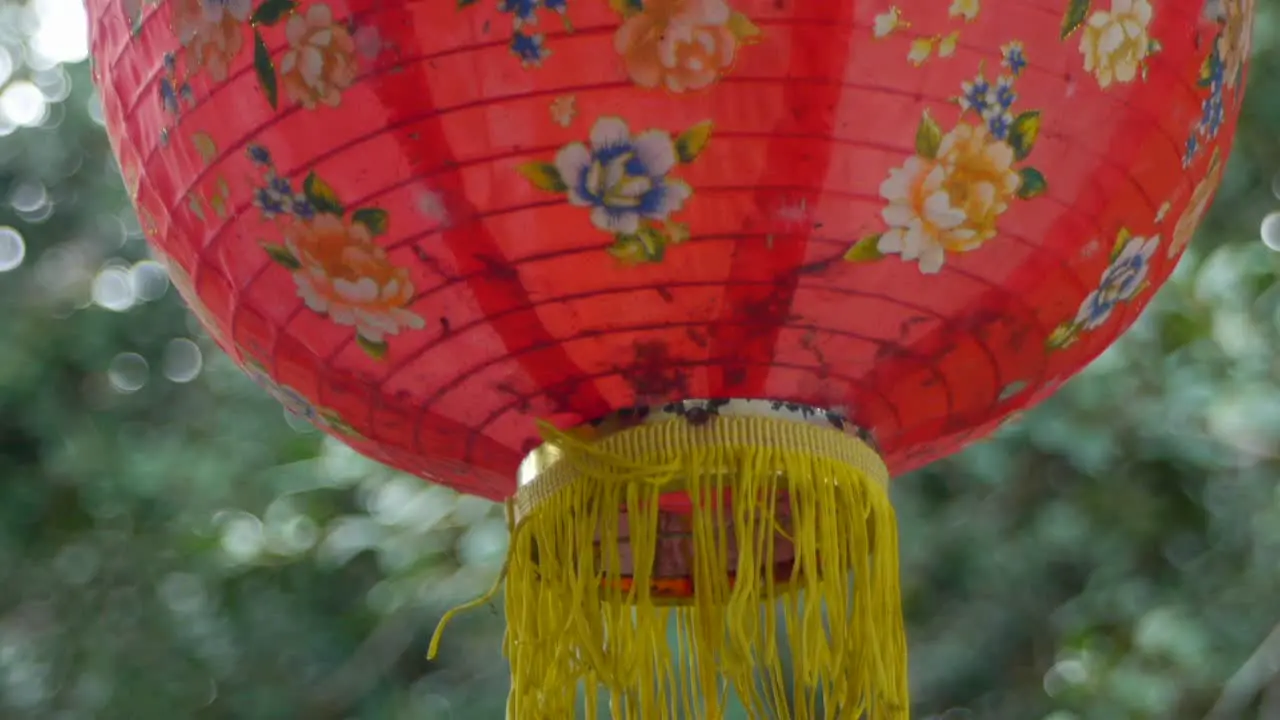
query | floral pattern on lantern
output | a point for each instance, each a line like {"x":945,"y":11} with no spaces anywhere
{"x":214,"y":192}
{"x":614,"y":148}
{"x":677,"y":45}
{"x":966,"y":9}
{"x":212,"y":32}
{"x":1116,"y":42}
{"x":887,"y":23}
{"x":339,"y":270}
{"x":563,"y":110}
{"x":625,"y":181}
{"x":949,"y":196}
{"x":176,"y":94}
{"x":1196,"y":207}
{"x":1220,"y":71}
{"x":295,"y":403}
{"x":1123,"y":279}
{"x":1235,"y":41}
{"x":681,"y":45}
{"x":321,"y":60}
{"x":922,"y":48}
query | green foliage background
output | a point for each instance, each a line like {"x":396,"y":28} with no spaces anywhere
{"x":173,"y":546}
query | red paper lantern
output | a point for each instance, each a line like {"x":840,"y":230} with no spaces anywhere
{"x":427,"y":226}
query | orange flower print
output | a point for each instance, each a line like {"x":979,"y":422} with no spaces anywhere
{"x":564,"y":110}
{"x":1234,"y":42}
{"x":681,"y":45}
{"x":339,"y":269}
{"x":343,"y":274}
{"x":1116,"y":43}
{"x":321,"y":60}
{"x":212,"y":31}
{"x":947,"y":197}
{"x":1197,"y":206}
{"x":949,"y":203}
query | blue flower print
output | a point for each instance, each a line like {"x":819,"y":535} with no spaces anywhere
{"x":621,"y":177}
{"x":1121,"y":281}
{"x":524,"y":12}
{"x":269,"y":203}
{"x":1193,"y":148}
{"x":295,"y":403}
{"x":279,"y":186}
{"x":560,"y":6}
{"x":531,"y":49}
{"x":259,"y":155}
{"x":1002,"y":93}
{"x":292,"y":400}
{"x":1013,"y":58}
{"x":977,"y":95}
{"x":996,"y":112}
{"x":168,"y":96}
{"x":1213,"y":115}
{"x":174,"y":93}
{"x":999,"y":124}
{"x":1212,"y":108}
{"x":276,"y":197}
{"x":302,"y":207}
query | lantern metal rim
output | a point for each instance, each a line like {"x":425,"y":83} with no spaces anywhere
{"x":539,"y":461}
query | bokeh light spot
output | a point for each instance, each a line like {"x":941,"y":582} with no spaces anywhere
{"x":13,"y":250}
{"x":1271,"y":231}
{"x":182,"y":361}
{"x":113,"y":290}
{"x":128,"y":372}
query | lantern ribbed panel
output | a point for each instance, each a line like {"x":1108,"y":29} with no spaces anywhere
{"x":389,"y":212}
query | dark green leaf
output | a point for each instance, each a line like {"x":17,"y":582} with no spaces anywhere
{"x":626,"y":8}
{"x":465,"y":3}
{"x":321,"y":196}
{"x":1077,"y":13}
{"x":272,"y":12}
{"x":376,"y":349}
{"x":281,"y":256}
{"x":266,"y":70}
{"x":691,"y":142}
{"x":544,"y":176}
{"x":1033,"y":183}
{"x":647,"y":245}
{"x":655,"y":242}
{"x":376,"y":220}
{"x":1207,"y":67}
{"x":335,"y":422}
{"x":1023,"y":133}
{"x":1123,"y":236}
{"x":1063,"y":336}
{"x":865,"y":250}
{"x":928,"y":137}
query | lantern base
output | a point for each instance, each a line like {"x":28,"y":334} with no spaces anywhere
{"x":667,"y":562}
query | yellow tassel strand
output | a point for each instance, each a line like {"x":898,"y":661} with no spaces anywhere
{"x":574,"y":627}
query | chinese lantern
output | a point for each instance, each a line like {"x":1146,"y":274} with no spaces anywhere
{"x":682,"y":281}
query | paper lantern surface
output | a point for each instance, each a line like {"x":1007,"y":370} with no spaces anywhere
{"x":426,"y":224}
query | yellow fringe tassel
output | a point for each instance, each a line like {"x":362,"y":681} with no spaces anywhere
{"x":573,"y":629}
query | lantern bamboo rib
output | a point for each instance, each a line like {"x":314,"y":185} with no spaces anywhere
{"x":573,"y":628}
